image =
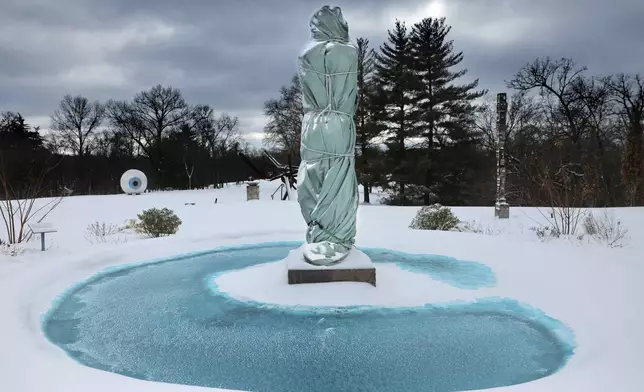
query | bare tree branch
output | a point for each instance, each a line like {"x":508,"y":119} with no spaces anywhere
{"x":75,"y":122}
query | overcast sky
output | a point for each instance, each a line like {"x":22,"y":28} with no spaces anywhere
{"x":235,"y":54}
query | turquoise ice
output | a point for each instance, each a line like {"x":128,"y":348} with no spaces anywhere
{"x":160,"y":321}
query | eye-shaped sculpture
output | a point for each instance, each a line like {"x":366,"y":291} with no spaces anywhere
{"x":134,"y":182}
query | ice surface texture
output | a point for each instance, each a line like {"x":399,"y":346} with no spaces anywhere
{"x":159,"y":321}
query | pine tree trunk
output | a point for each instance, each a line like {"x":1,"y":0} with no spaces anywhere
{"x":428,"y":172}
{"x":428,"y":176}
{"x":365,"y":184}
{"x":402,"y":193}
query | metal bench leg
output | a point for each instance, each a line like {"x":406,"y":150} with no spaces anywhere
{"x":42,"y":242}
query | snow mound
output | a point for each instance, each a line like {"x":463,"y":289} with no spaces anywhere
{"x":395,"y":287}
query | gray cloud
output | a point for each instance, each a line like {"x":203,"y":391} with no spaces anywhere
{"x":234,"y":55}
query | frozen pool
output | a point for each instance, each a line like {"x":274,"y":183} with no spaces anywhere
{"x":159,"y":321}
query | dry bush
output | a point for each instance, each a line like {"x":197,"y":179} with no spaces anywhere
{"x":99,"y":232}
{"x":17,"y":210}
{"x":475,"y":227}
{"x":606,"y":229}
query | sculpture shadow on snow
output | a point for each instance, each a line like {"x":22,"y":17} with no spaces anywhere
{"x":158,"y":321}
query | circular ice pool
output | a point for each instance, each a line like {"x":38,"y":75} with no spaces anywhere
{"x":160,"y":321}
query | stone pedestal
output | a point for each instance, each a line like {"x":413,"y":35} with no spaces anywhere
{"x":356,"y":267}
{"x":252,"y":191}
{"x":502,"y":210}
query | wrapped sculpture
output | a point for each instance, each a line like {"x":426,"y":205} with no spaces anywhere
{"x":327,"y":183}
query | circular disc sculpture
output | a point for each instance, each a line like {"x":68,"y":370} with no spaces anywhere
{"x":134,"y":182}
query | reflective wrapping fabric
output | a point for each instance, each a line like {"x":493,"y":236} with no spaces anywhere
{"x":327,"y":184}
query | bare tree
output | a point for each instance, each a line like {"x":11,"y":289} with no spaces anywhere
{"x":555,"y":80}
{"x":189,"y":170}
{"x":627,"y":92}
{"x":149,"y":117}
{"x":574,"y":109}
{"x":285,"y":114}
{"x":75,"y":122}
{"x":524,"y":113}
{"x":219,"y":134}
{"x":524,"y":133}
{"x":601,"y":135}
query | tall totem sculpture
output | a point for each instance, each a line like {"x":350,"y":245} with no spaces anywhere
{"x":501,"y":208}
{"x":327,"y":183}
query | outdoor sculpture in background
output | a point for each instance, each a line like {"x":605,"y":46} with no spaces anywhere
{"x":134,"y":182}
{"x":327,"y":184}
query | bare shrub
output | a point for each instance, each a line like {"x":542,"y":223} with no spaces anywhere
{"x":564,"y":187}
{"x":563,"y":220}
{"x":475,"y":227}
{"x":545,"y":232}
{"x":18,"y":209}
{"x":606,"y":229}
{"x":99,"y":232}
{"x":11,"y":249}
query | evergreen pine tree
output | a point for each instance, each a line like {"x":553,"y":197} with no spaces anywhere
{"x":394,"y":80}
{"x":15,"y":133}
{"x":445,"y":110}
{"x":367,"y":129}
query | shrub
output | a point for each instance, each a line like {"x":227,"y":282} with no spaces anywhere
{"x":435,"y":217}
{"x":131,"y":224}
{"x":606,"y":230}
{"x":98,"y":232}
{"x":11,"y":249}
{"x":590,"y":224}
{"x":562,"y":221}
{"x":477,"y":228}
{"x":157,"y":222}
{"x":545,"y":233}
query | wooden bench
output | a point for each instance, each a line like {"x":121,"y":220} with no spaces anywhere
{"x":42,"y":229}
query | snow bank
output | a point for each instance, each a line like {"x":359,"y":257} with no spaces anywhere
{"x":268,"y":284}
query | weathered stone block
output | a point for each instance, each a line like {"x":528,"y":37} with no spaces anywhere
{"x":356,"y":267}
{"x":252,"y":191}
{"x":502,"y":210}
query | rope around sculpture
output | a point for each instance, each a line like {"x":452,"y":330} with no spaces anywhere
{"x":328,"y":109}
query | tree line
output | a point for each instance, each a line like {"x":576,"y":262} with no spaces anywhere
{"x":574,"y":139}
{"x":90,"y":144}
{"x":424,"y":135}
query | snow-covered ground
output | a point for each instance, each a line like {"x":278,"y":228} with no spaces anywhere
{"x":597,"y":291}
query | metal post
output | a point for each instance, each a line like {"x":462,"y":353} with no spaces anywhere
{"x":501,"y":208}
{"x":42,"y":242}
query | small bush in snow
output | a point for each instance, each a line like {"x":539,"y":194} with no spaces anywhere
{"x":546,"y":233}
{"x":131,"y":224}
{"x":435,"y":217}
{"x":590,"y":224}
{"x":606,"y":230}
{"x":98,"y":232}
{"x":157,"y":222}
{"x":11,"y":249}
{"x":474,"y":227}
